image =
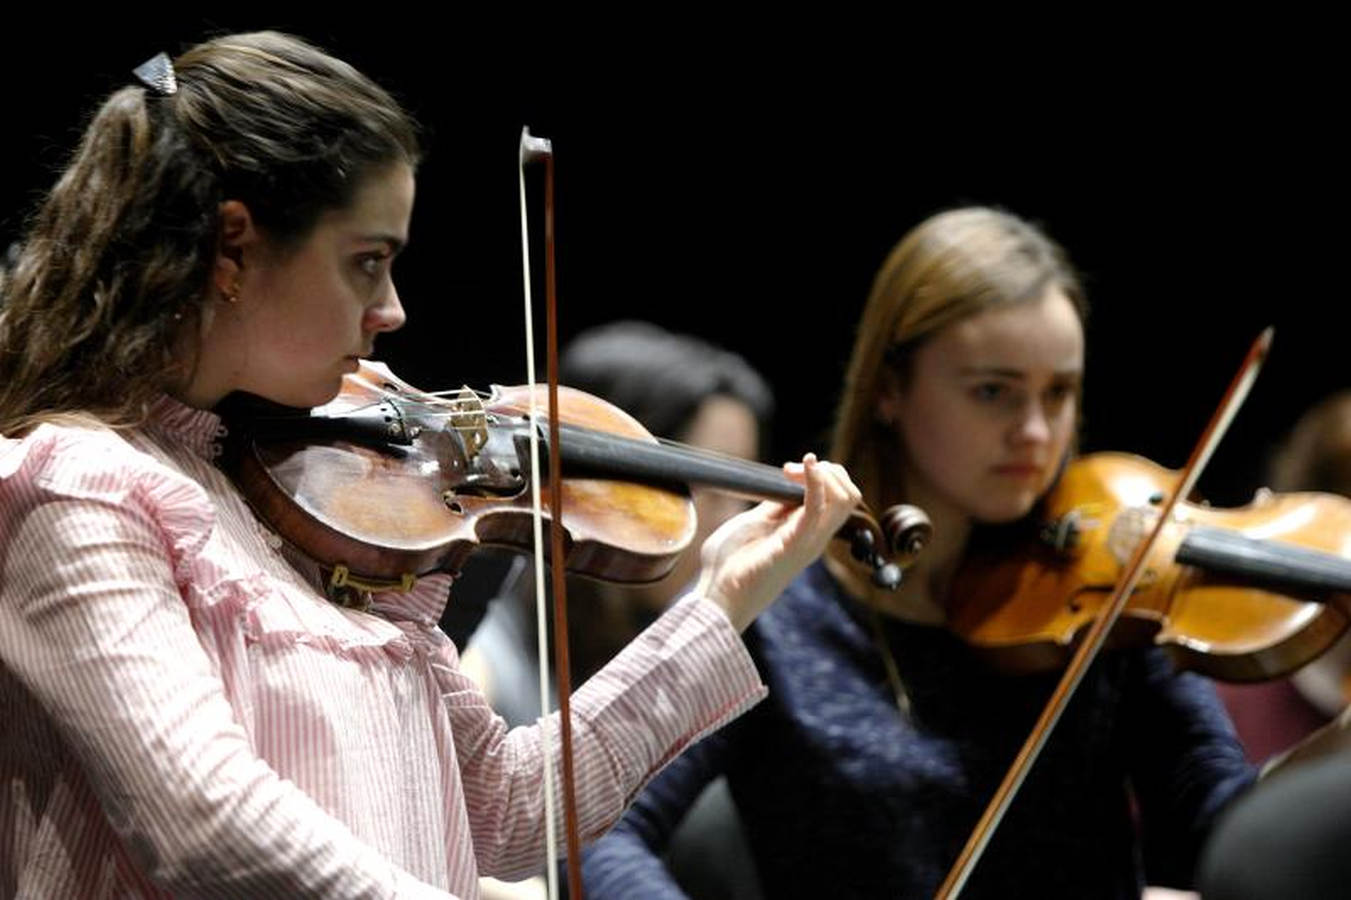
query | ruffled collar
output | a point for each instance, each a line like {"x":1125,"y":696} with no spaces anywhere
{"x":200,"y":430}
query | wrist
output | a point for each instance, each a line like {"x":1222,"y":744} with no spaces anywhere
{"x":735,"y":613}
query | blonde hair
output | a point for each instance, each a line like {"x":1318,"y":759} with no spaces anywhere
{"x":114,"y":270}
{"x":950,"y":266}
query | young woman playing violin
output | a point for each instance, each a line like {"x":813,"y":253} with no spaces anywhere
{"x":884,"y":735}
{"x":185,"y":713}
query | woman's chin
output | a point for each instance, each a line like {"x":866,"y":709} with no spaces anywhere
{"x":313,"y":395}
{"x":1002,"y":511}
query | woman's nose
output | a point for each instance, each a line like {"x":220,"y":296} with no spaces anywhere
{"x":1034,"y":425}
{"x":388,"y":314}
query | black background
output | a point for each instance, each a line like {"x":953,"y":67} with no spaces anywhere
{"x":743,"y":180}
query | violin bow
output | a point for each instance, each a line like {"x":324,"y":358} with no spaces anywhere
{"x":531,"y":149}
{"x":1097,"y":634}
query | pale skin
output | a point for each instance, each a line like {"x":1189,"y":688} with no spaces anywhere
{"x":753,"y":556}
{"x":287,"y":326}
{"x":984,"y":417}
{"x":722,"y":425}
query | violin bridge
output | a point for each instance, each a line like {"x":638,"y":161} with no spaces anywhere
{"x":469,"y":420}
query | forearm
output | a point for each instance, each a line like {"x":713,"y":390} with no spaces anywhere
{"x":631,"y":858}
{"x":1187,"y":765}
{"x":686,"y":675}
{"x":621,"y":863}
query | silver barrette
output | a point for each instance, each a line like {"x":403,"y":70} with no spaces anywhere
{"x":157,"y":73}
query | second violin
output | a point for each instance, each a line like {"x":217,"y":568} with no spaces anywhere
{"x":1240,"y":594}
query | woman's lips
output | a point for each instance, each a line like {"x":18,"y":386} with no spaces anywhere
{"x":1018,"y":470}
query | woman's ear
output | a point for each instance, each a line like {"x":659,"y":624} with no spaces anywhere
{"x":237,"y":234}
{"x":887,"y":405}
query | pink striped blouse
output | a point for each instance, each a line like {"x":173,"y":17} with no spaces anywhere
{"x":181,"y":712}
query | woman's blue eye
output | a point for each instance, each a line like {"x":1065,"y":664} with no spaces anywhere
{"x":1060,"y":393}
{"x":989,"y":392}
{"x":371,"y":264}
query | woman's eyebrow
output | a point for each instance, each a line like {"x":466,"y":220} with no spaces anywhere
{"x":394,"y":242}
{"x":1016,"y":374}
{"x":996,"y":371}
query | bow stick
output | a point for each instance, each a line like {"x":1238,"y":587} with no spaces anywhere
{"x":1111,"y":611}
{"x":533,"y":148}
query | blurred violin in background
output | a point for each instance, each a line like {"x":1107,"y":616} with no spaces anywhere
{"x":1239,"y":594}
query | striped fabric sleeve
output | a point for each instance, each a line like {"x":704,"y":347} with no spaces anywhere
{"x":686,"y":675}
{"x":92,"y":623}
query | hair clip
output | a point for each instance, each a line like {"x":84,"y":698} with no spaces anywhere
{"x":157,"y":74}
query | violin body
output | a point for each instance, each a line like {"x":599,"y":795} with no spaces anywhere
{"x":386,"y":483}
{"x":444,"y":479}
{"x":1240,"y":594}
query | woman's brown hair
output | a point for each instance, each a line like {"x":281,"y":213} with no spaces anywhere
{"x":102,"y":304}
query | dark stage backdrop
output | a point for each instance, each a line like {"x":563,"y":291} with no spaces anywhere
{"x":743,"y":183}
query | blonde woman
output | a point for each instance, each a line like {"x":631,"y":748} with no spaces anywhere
{"x":883,"y":735}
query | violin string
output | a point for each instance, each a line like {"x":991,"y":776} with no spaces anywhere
{"x":700,"y":453}
{"x":678,"y":450}
{"x":450,"y":411}
{"x":445,"y":410}
{"x":447,"y":399}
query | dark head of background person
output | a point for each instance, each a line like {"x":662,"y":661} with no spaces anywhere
{"x":1271,"y":716}
{"x":1286,"y":838}
{"x":665,"y":380}
{"x":682,"y":388}
{"x":951,"y":270}
{"x":187,"y":209}
{"x":677,"y":386}
{"x":1316,"y":456}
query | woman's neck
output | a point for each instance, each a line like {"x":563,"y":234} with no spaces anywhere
{"x":923,"y":593}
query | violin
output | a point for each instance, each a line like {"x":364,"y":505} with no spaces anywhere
{"x":1169,"y":563}
{"x":1240,"y":594}
{"x":386,"y":483}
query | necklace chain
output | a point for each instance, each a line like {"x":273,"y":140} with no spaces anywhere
{"x":889,"y":662}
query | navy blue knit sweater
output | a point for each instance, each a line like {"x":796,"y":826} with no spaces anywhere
{"x":842,"y":796}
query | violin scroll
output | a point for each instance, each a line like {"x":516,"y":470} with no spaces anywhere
{"x":908,"y":531}
{"x":905,"y":530}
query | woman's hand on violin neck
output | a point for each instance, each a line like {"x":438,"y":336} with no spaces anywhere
{"x":752,"y":557}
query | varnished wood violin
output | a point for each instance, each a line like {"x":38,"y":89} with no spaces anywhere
{"x":1240,"y":594}
{"x":386,"y":483}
